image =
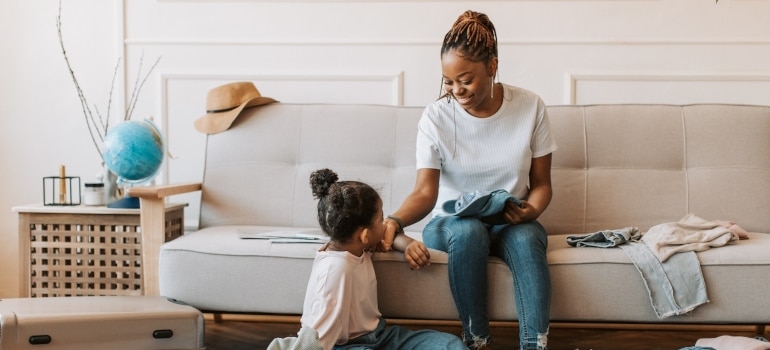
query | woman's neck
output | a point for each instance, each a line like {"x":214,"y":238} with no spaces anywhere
{"x":489,"y":108}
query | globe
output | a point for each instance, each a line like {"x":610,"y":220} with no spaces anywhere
{"x":134,"y":150}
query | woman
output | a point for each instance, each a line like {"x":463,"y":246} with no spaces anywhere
{"x":483,"y":136}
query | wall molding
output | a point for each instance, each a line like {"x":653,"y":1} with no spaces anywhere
{"x":284,"y":1}
{"x":395,"y":80}
{"x":120,"y":51}
{"x":571,"y":80}
{"x":594,"y":41}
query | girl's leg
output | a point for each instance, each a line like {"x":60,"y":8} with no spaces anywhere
{"x":523,"y":248}
{"x":466,"y":241}
{"x":398,"y":338}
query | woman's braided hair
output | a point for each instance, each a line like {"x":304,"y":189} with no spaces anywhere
{"x":473,"y":36}
{"x":343,"y":206}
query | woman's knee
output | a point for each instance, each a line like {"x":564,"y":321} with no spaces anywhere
{"x":454,"y":231}
{"x":530,"y":234}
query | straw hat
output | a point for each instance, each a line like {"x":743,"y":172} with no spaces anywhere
{"x":224,"y":104}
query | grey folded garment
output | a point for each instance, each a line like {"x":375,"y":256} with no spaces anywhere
{"x":606,"y":238}
{"x":676,"y":286}
{"x":306,"y":339}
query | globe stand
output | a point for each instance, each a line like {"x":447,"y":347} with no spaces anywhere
{"x":125,"y":203}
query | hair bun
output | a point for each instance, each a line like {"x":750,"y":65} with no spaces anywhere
{"x":321,"y":180}
{"x":470,"y":16}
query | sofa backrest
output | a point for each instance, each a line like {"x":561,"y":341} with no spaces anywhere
{"x":616,"y":166}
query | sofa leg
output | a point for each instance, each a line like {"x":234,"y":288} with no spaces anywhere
{"x":760,"y":329}
{"x":217,"y":318}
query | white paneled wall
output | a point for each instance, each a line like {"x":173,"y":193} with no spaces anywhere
{"x":364,"y":51}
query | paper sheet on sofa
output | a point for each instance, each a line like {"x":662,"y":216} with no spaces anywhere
{"x":285,"y":236}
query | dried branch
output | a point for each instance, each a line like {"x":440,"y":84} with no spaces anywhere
{"x":97,"y":124}
{"x":87,"y":114}
{"x":106,"y":121}
{"x":138,"y":86}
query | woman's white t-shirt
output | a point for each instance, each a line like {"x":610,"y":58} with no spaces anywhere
{"x":484,"y":154}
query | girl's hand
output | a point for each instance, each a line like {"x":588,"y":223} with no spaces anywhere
{"x":417,"y":255}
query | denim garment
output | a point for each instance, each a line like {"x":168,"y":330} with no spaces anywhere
{"x":675,"y":286}
{"x":395,"y":337}
{"x":486,"y":205}
{"x":468,"y":242}
{"x":606,"y":239}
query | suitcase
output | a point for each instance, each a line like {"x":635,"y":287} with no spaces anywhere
{"x":99,"y":322}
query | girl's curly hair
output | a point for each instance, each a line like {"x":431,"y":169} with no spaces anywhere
{"x":343,"y":206}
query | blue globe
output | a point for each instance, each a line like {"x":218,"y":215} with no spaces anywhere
{"x":134,"y":151}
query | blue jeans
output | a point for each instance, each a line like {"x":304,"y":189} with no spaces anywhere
{"x":395,"y":337}
{"x":469,"y":242}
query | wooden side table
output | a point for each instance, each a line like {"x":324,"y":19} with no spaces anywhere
{"x":82,"y":250}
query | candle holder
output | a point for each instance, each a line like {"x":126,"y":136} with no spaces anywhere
{"x":62,"y":191}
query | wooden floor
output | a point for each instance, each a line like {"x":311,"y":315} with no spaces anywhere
{"x":235,"y":332}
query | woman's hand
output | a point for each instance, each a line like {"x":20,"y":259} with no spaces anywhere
{"x":539,"y":195}
{"x":386,"y":244}
{"x":417,"y":255}
{"x":515,"y":214}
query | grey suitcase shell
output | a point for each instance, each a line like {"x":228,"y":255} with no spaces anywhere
{"x":99,"y":322}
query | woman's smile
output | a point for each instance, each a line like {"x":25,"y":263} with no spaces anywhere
{"x":465,"y":100}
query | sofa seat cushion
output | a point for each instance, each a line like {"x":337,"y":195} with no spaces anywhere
{"x":225,"y":240}
{"x":230,"y":274}
{"x":745,"y":252}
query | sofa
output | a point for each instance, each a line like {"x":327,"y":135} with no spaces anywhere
{"x":617,"y":166}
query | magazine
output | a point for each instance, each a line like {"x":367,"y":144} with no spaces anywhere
{"x":285,"y":236}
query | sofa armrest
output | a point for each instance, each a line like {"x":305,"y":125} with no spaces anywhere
{"x":161,"y":191}
{"x":152,"y":212}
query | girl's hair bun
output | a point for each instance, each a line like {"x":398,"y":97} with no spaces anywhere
{"x":320,"y":182}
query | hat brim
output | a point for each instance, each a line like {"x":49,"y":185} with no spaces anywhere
{"x":216,"y":122}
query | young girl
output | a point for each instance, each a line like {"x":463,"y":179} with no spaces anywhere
{"x":341,"y":298}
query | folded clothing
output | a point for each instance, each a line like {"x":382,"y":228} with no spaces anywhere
{"x":691,"y":233}
{"x":485,"y":205}
{"x":606,"y":238}
{"x":733,"y":342}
